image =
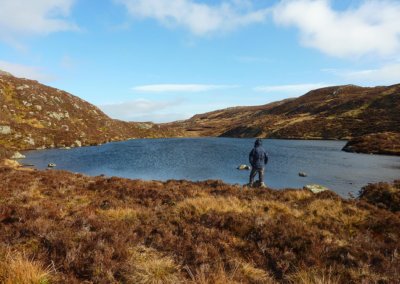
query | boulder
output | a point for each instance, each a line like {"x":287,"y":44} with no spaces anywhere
{"x":5,"y":129}
{"x":243,"y":167}
{"x":316,"y":188}
{"x":302,"y":174}
{"x":18,"y":155}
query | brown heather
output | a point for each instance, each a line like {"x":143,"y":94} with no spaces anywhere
{"x":387,"y":143}
{"x":60,"y":227}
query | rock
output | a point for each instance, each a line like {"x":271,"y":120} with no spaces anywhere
{"x":10,"y":163}
{"x":257,"y":184}
{"x":243,"y":167}
{"x":30,"y":141}
{"x":67,"y":148}
{"x":5,"y":129}
{"x":23,"y":87}
{"x":316,"y":188}
{"x":18,"y":155}
{"x":78,"y":143}
{"x":302,"y":174}
{"x":51,"y":165}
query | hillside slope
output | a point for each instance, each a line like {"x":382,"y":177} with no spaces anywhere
{"x":37,"y":116}
{"x":339,"y":112}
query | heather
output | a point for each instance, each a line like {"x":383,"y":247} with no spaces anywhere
{"x":387,"y":143}
{"x":70,"y":228}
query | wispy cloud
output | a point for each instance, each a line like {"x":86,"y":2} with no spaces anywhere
{"x":373,"y":27}
{"x":25,"y":71}
{"x":198,"y":18}
{"x":140,"y":109}
{"x":386,"y":74}
{"x":188,"y":88}
{"x":297,"y":89}
{"x":35,"y":17}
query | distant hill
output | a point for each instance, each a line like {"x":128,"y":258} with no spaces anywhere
{"x":340,"y":112}
{"x":34,"y":116}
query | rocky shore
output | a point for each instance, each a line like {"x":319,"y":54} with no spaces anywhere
{"x":387,"y":143}
{"x":60,"y":227}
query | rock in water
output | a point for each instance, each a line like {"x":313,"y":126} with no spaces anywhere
{"x":316,"y":188}
{"x":51,"y":165}
{"x":243,"y":167}
{"x":302,"y":174}
{"x":18,"y":155}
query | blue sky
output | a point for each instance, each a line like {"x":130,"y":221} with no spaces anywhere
{"x":164,"y":60}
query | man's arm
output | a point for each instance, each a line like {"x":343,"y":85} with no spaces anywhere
{"x":251,"y":157}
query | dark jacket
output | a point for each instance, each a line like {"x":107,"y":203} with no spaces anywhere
{"x":258,"y":158}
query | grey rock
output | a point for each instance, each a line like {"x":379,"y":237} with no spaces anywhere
{"x":5,"y":129}
{"x":243,"y":167}
{"x":18,"y":155}
{"x":78,"y":143}
{"x":316,"y":188}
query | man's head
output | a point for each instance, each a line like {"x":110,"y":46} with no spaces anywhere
{"x":258,"y":142}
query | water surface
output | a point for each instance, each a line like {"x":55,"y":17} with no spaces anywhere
{"x":217,"y":158}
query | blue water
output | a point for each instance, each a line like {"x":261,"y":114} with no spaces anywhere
{"x":217,"y":158}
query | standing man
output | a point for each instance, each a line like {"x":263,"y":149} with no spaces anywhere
{"x":258,"y":159}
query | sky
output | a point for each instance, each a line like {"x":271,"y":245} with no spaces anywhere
{"x":166,"y":60}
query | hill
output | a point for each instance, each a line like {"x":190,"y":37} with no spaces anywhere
{"x":340,"y":112}
{"x":60,"y":227}
{"x":37,"y":116}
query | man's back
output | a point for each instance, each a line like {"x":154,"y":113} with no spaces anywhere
{"x":258,"y":157}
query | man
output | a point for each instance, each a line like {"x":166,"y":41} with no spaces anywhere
{"x":258,"y":159}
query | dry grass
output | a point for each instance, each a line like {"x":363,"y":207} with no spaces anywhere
{"x":149,"y":267}
{"x":16,"y":268}
{"x":202,"y":205}
{"x":120,"y":214}
{"x":314,"y":276}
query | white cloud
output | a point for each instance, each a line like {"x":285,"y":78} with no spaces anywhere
{"x":25,"y":71}
{"x":373,"y":27}
{"x":198,"y":18}
{"x":298,"y":89}
{"x":33,"y":17}
{"x":189,"y":88}
{"x":140,"y":109}
{"x":384,"y":75}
